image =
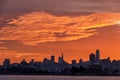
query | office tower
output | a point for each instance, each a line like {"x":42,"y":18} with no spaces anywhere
{"x":6,"y":62}
{"x":52,"y":59}
{"x":80,"y":61}
{"x":32,"y":61}
{"x":92,"y":57}
{"x":73,"y":62}
{"x":97,"y":55}
{"x":61,"y":59}
{"x":23,"y":62}
{"x":45,"y":60}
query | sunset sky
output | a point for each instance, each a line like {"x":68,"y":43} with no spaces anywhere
{"x":35,"y":29}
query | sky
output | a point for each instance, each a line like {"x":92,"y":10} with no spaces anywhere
{"x":35,"y":29}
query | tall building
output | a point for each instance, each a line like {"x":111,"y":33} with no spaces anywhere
{"x":23,"y":62}
{"x":61,"y":59}
{"x":6,"y":62}
{"x":52,"y":59}
{"x":32,"y":61}
{"x":74,"y":62}
{"x":97,"y":55}
{"x":92,"y":58}
{"x":80,"y":61}
{"x":45,"y":60}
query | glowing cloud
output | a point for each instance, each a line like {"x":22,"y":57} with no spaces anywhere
{"x":17,"y":57}
{"x":40,"y":27}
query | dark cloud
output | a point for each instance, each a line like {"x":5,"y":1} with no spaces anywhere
{"x":19,"y":7}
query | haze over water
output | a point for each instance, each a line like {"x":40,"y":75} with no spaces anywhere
{"x":6,"y":77}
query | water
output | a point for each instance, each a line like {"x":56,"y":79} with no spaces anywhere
{"x":7,"y":77}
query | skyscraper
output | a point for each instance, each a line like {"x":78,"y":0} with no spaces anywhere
{"x":32,"y":61}
{"x":80,"y":61}
{"x":92,"y":58}
{"x":52,"y":59}
{"x":6,"y":62}
{"x":97,"y":55}
{"x":73,"y":62}
{"x":61,"y":59}
{"x":45,"y":60}
{"x":23,"y":62}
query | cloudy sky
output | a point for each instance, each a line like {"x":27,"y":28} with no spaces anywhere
{"x":40,"y":28}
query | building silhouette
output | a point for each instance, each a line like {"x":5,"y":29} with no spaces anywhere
{"x":74,"y":62}
{"x":32,"y":62}
{"x":61,"y":59}
{"x":45,"y":61}
{"x":92,"y":58}
{"x":6,"y":62}
{"x":52,"y":59}
{"x":97,"y":55}
{"x":23,"y":62}
{"x":49,"y":66}
{"x":80,"y":61}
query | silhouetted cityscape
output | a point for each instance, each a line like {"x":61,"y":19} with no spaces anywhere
{"x":94,"y":66}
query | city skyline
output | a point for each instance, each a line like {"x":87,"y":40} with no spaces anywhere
{"x":92,"y":58}
{"x":94,"y":66}
{"x":34,"y":29}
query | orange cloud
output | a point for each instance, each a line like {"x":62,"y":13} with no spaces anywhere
{"x":17,"y":56}
{"x":40,"y":27}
